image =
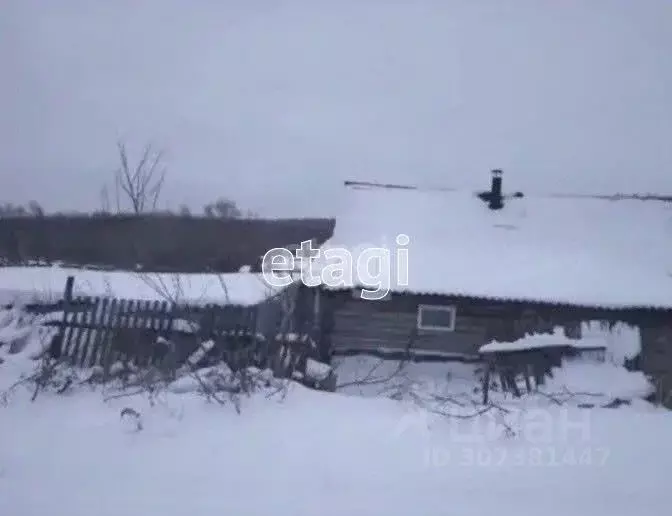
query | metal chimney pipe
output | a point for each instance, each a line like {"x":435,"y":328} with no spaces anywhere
{"x":496,"y":198}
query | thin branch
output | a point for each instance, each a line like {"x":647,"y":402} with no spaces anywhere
{"x":369,"y":379}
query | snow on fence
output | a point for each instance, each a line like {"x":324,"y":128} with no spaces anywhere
{"x":533,"y":357}
{"x":104,"y":331}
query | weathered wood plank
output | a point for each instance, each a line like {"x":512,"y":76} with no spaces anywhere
{"x":139,"y":335}
{"x":101,"y":331}
{"x":79,"y":351}
{"x":88,"y":336}
{"x":117,"y":305}
{"x":124,"y":338}
{"x":78,"y":335}
{"x":165,"y":318}
{"x":103,"y":308}
{"x":99,"y":315}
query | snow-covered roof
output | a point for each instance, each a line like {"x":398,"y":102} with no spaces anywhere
{"x":47,"y":284}
{"x":582,"y":251}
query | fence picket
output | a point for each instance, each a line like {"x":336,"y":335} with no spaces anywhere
{"x":108,"y":339}
{"x":102,"y":330}
{"x":144,"y":344}
{"x":89,"y":319}
{"x":79,"y":332}
{"x":98,"y":319}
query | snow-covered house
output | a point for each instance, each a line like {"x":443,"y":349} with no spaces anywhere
{"x":466,"y":268}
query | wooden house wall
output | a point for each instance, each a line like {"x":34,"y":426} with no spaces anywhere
{"x":655,"y":359}
{"x":292,"y":311}
{"x":351,"y":324}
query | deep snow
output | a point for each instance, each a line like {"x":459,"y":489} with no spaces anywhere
{"x":321,"y":454}
{"x":313,"y":453}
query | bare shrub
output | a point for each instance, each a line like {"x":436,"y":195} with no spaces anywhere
{"x":52,"y":375}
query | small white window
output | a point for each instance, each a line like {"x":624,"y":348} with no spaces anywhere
{"x":436,"y":317}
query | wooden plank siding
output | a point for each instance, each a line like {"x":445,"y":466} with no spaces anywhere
{"x":364,"y":326}
{"x":356,"y":324}
{"x":655,"y":360}
{"x":349,"y":324}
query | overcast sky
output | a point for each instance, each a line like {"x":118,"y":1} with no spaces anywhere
{"x":275,"y":103}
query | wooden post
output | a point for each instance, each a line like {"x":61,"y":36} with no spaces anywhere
{"x":526,"y":374}
{"x":486,"y":381}
{"x":511,"y":378}
{"x":69,"y":285}
{"x":60,"y":344}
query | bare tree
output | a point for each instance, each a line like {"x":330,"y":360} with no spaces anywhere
{"x":35,"y":209}
{"x":139,"y":184}
{"x":222,"y":208}
{"x":32,"y":209}
{"x":8,"y":209}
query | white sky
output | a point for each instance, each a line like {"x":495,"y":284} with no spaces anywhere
{"x":274,"y":103}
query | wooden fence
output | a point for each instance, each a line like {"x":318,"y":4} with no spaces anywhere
{"x":105,"y":332}
{"x":99,"y":331}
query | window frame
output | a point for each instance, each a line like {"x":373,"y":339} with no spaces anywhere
{"x":452,"y":309}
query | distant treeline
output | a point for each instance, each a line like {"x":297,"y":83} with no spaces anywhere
{"x":156,"y":242}
{"x":221,"y":208}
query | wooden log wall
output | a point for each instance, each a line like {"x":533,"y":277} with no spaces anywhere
{"x":349,"y":324}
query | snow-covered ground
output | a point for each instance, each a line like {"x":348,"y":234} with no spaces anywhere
{"x":354,"y":452}
{"x":47,"y":284}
